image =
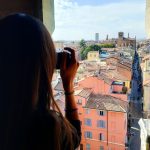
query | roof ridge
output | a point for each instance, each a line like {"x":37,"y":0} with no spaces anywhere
{"x":122,"y":108}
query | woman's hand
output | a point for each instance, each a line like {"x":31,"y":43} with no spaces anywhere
{"x":68,"y":72}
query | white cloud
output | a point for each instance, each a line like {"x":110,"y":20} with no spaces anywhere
{"x":74,"y":22}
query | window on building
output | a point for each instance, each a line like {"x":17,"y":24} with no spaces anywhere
{"x":101,"y":137}
{"x":87,"y":111}
{"x":101,"y":147}
{"x":101,"y":124}
{"x":88,"y":122}
{"x":101,"y":112}
{"x":88,"y":134}
{"x":79,"y":101}
{"x":88,"y":147}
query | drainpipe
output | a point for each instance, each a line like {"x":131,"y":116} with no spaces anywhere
{"x":107,"y":128}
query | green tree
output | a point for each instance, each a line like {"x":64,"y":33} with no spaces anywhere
{"x":107,"y":45}
{"x":88,"y":49}
{"x":85,"y":51}
{"x":95,"y":47}
{"x":82,"y":44}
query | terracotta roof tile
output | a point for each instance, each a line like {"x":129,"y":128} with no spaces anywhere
{"x":146,"y":83}
{"x":59,"y":87}
{"x":146,"y":57}
{"x":113,"y":107}
{"x":111,"y":75}
{"x":86,"y":92}
{"x":105,"y":78}
{"x":106,"y":102}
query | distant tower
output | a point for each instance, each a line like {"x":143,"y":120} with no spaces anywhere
{"x":120,"y":35}
{"x":128,"y":35}
{"x":147,"y":19}
{"x":107,"y":37}
{"x":96,"y":37}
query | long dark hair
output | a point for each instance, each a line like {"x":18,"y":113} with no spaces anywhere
{"x":27,"y":63}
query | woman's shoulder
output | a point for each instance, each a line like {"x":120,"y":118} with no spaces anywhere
{"x":57,"y":116}
{"x":43,"y":124}
{"x":54,"y":112}
{"x":48,"y":117}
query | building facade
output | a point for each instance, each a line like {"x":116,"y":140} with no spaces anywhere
{"x":146,"y":68}
{"x":93,"y":56}
{"x":146,"y":100}
{"x":125,"y":42}
{"x":147,"y":19}
{"x":100,"y":116}
{"x":145,"y":133}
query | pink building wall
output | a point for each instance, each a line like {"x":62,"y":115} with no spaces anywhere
{"x":99,"y":86}
{"x":114,"y":132}
{"x":116,"y":122}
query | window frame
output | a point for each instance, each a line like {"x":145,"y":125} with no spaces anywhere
{"x":79,"y":101}
{"x":101,"y":147}
{"x":101,"y":124}
{"x":87,"y":111}
{"x":101,"y":137}
{"x":88,"y":122}
{"x":88,"y":134}
{"x":101,"y":112}
{"x":88,"y":146}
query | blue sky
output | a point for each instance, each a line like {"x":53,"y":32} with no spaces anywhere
{"x":101,"y":2}
{"x":77,"y":19}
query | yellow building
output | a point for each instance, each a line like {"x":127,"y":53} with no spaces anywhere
{"x":147,"y":19}
{"x":146,"y":68}
{"x":146,"y":102}
{"x":126,"y":83}
{"x":93,"y":56}
{"x":146,"y":85}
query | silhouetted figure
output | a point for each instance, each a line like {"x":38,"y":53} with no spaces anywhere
{"x":29,"y":116}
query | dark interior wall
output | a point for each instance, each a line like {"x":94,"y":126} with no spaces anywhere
{"x":32,"y":7}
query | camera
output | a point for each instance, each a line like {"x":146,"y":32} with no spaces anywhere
{"x":59,"y":57}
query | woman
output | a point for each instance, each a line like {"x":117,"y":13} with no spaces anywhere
{"x":29,"y":116}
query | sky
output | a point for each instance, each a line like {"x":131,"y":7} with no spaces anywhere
{"x":81,"y":19}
